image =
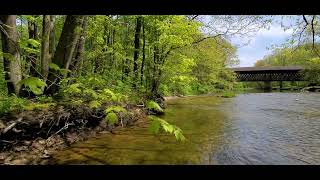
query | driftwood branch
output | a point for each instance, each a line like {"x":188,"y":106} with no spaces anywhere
{"x":11,"y":125}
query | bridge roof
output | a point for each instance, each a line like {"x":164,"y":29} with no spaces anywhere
{"x":268,"y":68}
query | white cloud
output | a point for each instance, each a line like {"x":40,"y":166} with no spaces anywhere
{"x":257,"y":48}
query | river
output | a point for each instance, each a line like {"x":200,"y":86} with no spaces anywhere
{"x":252,"y":128}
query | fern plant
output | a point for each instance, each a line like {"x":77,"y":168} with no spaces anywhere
{"x":115,"y":109}
{"x":94,"y":104}
{"x":152,"y":105}
{"x":114,"y":97}
{"x":112,"y":118}
{"x":158,"y":124}
{"x":112,"y":112}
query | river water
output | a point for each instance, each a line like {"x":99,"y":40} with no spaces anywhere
{"x":252,"y":128}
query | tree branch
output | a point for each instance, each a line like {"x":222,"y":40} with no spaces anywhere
{"x":194,"y":17}
{"x":307,"y":23}
{"x":312,"y":30}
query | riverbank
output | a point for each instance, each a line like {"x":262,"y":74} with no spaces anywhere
{"x":197,"y":116}
{"x":33,"y":136}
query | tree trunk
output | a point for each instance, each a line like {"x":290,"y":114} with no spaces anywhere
{"x":44,"y":55}
{"x":155,"y":81}
{"x":113,"y":49}
{"x":80,"y":46}
{"x":10,"y":48}
{"x":64,"y":51}
{"x":143,"y":53}
{"x":52,"y":37}
{"x":126,"y":63}
{"x":32,"y":58}
{"x":136,"y":50}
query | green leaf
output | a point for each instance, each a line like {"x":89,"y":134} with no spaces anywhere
{"x":157,"y":124}
{"x":35,"y":84}
{"x":111,"y":118}
{"x":73,"y":89}
{"x":179,"y":136}
{"x":115,"y":109}
{"x":34,"y":43}
{"x":54,"y":67}
{"x":167,"y":127}
{"x":91,"y":93}
{"x":7,"y":56}
{"x":152,"y":105}
{"x":155,"y":127}
{"x":64,"y":72}
{"x":94,"y":104}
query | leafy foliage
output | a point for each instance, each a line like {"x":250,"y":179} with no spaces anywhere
{"x":94,"y":104}
{"x":158,"y":124}
{"x":54,"y":67}
{"x":112,"y":112}
{"x":34,"y":84}
{"x":112,"y":118}
{"x":11,"y":103}
{"x":115,"y":109}
{"x":152,"y":105}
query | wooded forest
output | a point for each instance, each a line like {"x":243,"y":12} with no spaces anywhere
{"x":107,"y":69}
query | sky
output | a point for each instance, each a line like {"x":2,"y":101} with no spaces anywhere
{"x":259,"y":43}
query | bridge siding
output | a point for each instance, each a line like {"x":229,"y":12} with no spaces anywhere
{"x":269,"y":73}
{"x":271,"y":68}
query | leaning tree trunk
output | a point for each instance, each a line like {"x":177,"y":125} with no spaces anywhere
{"x":64,"y":51}
{"x":11,"y":58}
{"x":45,"y":56}
{"x":80,"y":47}
{"x":136,"y":50}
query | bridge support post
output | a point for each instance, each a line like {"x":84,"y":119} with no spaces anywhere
{"x":267,"y":86}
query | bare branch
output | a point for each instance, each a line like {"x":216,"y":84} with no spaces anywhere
{"x":305,"y":20}
{"x":304,"y":28}
{"x":194,"y":17}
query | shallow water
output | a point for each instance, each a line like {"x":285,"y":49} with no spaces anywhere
{"x":253,"y":128}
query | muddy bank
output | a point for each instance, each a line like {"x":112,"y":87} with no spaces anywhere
{"x":31,"y":137}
